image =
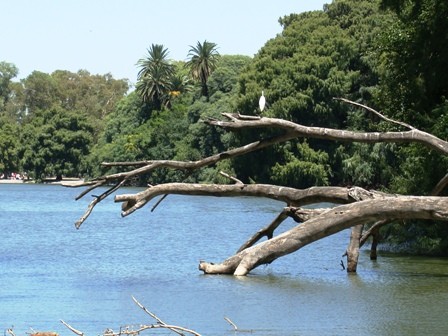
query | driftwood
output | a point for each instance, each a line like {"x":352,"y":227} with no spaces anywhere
{"x":10,"y":331}
{"x":358,"y":206}
{"x":136,"y":330}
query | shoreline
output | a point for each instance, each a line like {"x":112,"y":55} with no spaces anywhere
{"x":5,"y":181}
{"x":66,"y":181}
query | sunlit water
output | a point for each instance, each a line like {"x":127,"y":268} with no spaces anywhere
{"x":51,"y":271}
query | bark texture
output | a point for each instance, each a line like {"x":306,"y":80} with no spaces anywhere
{"x":355,"y":208}
{"x":328,"y":223}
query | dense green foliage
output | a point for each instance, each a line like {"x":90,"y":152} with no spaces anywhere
{"x":388,"y":54}
{"x":57,"y":143}
{"x":413,"y":57}
{"x":50,"y":122}
{"x":319,"y":55}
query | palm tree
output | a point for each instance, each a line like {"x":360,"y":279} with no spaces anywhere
{"x":203,"y":61}
{"x":179,"y":85}
{"x":154,"y":76}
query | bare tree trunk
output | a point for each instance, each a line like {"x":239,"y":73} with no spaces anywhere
{"x":375,"y":240}
{"x":352,"y":252}
{"x":374,"y":232}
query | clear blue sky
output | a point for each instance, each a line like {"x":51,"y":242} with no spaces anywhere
{"x":110,"y":36}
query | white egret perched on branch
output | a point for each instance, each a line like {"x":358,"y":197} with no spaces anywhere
{"x":262,"y":101}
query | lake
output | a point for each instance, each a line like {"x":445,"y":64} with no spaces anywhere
{"x":51,"y":271}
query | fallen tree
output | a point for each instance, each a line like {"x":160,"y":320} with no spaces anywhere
{"x":358,"y":206}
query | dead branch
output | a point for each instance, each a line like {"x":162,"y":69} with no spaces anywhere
{"x":374,"y":228}
{"x":152,"y":315}
{"x":328,"y":223}
{"x":376,"y":112}
{"x":290,"y":196}
{"x":234,"y":179}
{"x":235,"y":328}
{"x":76,"y":331}
{"x":96,"y":200}
{"x":267,"y":231}
{"x":180,"y":165}
{"x":440,"y":186}
{"x":237,"y":121}
{"x":301,"y":215}
{"x":131,"y":331}
{"x":178,"y":329}
{"x":353,"y":247}
{"x":301,"y":131}
{"x":298,"y":214}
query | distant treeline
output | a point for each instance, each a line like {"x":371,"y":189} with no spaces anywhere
{"x":391,"y":55}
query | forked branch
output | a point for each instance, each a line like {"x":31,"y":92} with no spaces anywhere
{"x":235,"y":122}
{"x":328,"y":223}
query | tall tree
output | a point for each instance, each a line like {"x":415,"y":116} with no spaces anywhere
{"x":97,"y":95}
{"x":414,"y":56}
{"x":318,"y":56}
{"x":9,"y":142}
{"x":413,"y":87}
{"x":40,"y":92}
{"x":154,"y":76}
{"x":7,"y":72}
{"x":55,"y":143}
{"x":203,"y":61}
{"x":11,"y":93}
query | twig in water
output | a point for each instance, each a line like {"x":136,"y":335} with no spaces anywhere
{"x":77,"y":332}
{"x":233,"y":324}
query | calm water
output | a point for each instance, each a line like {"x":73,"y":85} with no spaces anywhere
{"x":51,"y":271}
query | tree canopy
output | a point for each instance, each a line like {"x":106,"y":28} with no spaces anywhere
{"x":202,"y":62}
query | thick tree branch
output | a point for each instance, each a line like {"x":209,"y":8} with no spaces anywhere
{"x":413,"y":135}
{"x":148,"y":166}
{"x":237,"y":121}
{"x":328,"y":223}
{"x":316,"y":224}
{"x":353,"y":247}
{"x":291,"y":196}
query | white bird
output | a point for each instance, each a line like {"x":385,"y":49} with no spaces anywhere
{"x":262,"y":101}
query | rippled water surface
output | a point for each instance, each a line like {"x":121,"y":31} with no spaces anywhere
{"x":51,"y":271}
